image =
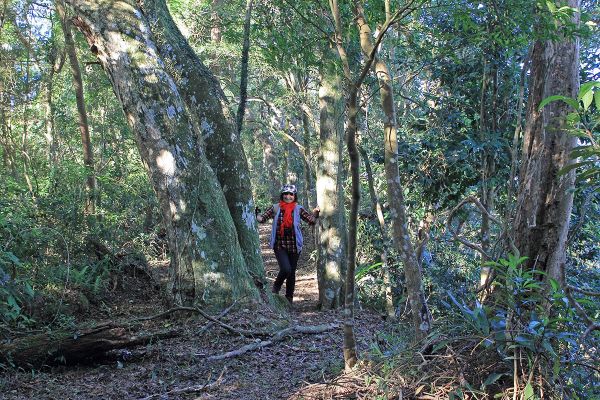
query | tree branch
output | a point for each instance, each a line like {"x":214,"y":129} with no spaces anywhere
{"x":279,"y":336}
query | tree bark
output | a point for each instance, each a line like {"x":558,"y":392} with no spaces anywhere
{"x":56,"y":62}
{"x":244,"y":74}
{"x":402,"y":242}
{"x":88,"y":155}
{"x":71,"y":347}
{"x":308,"y":190}
{"x":331,"y":263}
{"x":270,"y":163}
{"x":545,"y":200}
{"x":207,"y":108}
{"x":377,"y":209}
{"x":206,"y":258}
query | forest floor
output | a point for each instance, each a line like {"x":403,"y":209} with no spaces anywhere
{"x":302,"y":366}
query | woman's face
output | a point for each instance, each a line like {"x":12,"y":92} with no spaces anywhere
{"x":288,"y":197}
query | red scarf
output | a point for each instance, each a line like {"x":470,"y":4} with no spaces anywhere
{"x":288,"y":221}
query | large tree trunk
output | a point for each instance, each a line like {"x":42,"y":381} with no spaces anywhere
{"x":206,"y":258}
{"x":331,"y":263}
{"x":206,"y":105}
{"x":545,"y":200}
{"x":88,"y":155}
{"x":402,"y":242}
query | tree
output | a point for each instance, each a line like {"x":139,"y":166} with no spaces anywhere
{"x":545,"y":198}
{"x":207,"y":107}
{"x":331,"y":266}
{"x":84,"y":129}
{"x":401,"y":236}
{"x":171,"y":145}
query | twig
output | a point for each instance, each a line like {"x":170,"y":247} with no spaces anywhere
{"x":583,"y":291}
{"x":276,"y":338}
{"x":592,"y":325}
{"x":210,"y":324}
{"x":462,"y":240}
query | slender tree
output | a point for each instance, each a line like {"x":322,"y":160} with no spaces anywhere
{"x":401,"y":236}
{"x":88,"y":154}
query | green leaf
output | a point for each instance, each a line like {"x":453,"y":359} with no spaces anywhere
{"x":492,"y":378}
{"x":528,"y":392}
{"x":548,"y":347}
{"x":554,"y":283}
{"x":363,"y":271}
{"x":570,"y":167}
{"x":572,"y":102}
{"x":597,"y":100}
{"x":583,"y":151}
{"x":13,"y":258}
{"x":573,"y":117}
{"x":28,"y":289}
{"x":551,"y":6}
{"x":587,"y":99}
{"x":12,"y":302}
{"x":586,"y":88}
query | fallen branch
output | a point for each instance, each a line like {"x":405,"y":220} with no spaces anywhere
{"x":210,"y":324}
{"x":279,"y":336}
{"x":189,"y":389}
{"x":241,"y":332}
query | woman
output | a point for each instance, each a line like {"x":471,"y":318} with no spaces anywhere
{"x":286,"y":236}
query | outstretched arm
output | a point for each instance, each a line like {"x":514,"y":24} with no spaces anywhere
{"x":309,"y":218}
{"x":266,"y":215}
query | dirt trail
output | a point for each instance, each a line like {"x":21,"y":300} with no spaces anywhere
{"x":178,"y":368}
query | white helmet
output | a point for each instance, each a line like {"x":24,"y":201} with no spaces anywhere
{"x":287,"y":188}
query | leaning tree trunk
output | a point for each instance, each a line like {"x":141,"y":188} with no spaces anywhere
{"x":331,"y":264}
{"x":88,"y":155}
{"x":206,"y":258}
{"x":402,"y":242}
{"x":206,"y":105}
{"x":545,"y":200}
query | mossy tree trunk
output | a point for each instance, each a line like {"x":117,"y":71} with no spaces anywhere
{"x":206,"y":105}
{"x":206,"y":258}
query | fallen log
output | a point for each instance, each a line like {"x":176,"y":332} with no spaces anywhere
{"x":73,"y":346}
{"x":78,"y":345}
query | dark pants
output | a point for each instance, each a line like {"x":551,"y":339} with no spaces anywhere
{"x":287,"y":271}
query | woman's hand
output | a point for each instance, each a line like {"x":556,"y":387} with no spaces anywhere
{"x":316,"y":211}
{"x":259,"y":218}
